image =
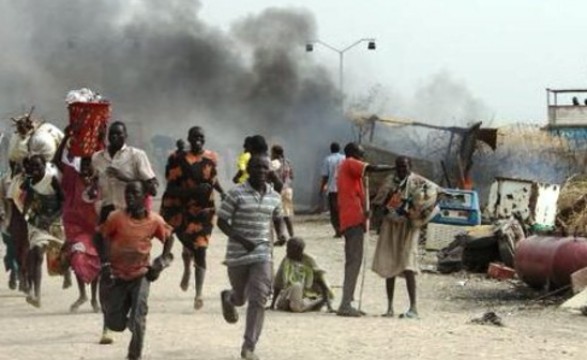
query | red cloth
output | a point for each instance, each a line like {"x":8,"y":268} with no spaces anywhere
{"x":84,"y":263}
{"x":78,"y":216}
{"x":351,"y":194}
{"x":130,"y":242}
{"x":79,"y":223}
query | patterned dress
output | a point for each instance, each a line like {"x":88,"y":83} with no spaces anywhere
{"x":191,"y":216}
{"x":44,"y":221}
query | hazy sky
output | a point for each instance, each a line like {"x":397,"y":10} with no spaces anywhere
{"x":505,"y":52}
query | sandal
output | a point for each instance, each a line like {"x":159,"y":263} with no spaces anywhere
{"x":409,"y":315}
{"x":228,"y":309}
{"x":388,"y":314}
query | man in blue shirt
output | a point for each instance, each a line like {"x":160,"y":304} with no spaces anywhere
{"x":328,"y":185}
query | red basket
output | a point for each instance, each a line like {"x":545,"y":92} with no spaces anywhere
{"x":88,"y":121}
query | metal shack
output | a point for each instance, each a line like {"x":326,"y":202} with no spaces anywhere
{"x":567,"y":115}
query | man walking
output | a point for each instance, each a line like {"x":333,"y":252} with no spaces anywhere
{"x":245,"y":217}
{"x":328,"y":185}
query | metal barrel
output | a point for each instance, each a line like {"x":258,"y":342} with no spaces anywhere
{"x":549,"y":261}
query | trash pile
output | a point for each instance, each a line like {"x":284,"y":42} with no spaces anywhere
{"x":521,"y":238}
{"x":476,"y":249}
{"x":488,"y":318}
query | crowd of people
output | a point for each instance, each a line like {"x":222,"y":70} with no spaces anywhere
{"x":94,"y":216}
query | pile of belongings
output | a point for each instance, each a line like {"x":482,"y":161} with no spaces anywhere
{"x":82,"y":95}
{"x":474,"y":249}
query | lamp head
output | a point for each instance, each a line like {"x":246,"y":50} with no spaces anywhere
{"x":309,"y":47}
{"x":371,"y":45}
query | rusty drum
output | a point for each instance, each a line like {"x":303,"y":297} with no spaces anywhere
{"x":542,"y":261}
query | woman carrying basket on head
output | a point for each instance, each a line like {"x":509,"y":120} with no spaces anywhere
{"x":79,"y":220}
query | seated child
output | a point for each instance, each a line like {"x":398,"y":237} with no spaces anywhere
{"x":299,"y":284}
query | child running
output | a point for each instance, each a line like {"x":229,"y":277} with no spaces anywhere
{"x":126,"y":276}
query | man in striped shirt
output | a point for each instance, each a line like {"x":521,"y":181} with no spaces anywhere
{"x":245,"y":217}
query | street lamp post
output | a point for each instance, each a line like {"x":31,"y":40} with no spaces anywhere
{"x":370,"y":46}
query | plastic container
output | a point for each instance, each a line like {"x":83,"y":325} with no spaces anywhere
{"x":458,"y":207}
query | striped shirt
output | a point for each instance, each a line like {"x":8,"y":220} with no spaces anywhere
{"x":250,"y":214}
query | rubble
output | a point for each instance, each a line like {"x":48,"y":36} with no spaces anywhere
{"x":500,"y":272}
{"x":488,"y":318}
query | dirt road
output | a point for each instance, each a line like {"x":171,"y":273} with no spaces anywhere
{"x":532,"y":329}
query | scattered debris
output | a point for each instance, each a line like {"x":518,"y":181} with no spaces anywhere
{"x":500,"y":272}
{"x":481,"y":245}
{"x":553,"y":292}
{"x":462,"y":282}
{"x":577,"y":302}
{"x":488,"y":318}
{"x":579,"y":280}
{"x":534,"y":202}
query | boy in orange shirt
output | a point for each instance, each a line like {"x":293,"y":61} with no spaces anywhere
{"x":126,"y":276}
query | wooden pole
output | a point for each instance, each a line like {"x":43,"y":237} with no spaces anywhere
{"x":366,"y":238}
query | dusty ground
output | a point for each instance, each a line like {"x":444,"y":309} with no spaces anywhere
{"x":533,"y":330}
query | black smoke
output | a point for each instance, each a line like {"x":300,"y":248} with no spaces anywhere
{"x":165,"y":69}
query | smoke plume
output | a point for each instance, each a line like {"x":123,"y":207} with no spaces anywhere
{"x":165,"y":69}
